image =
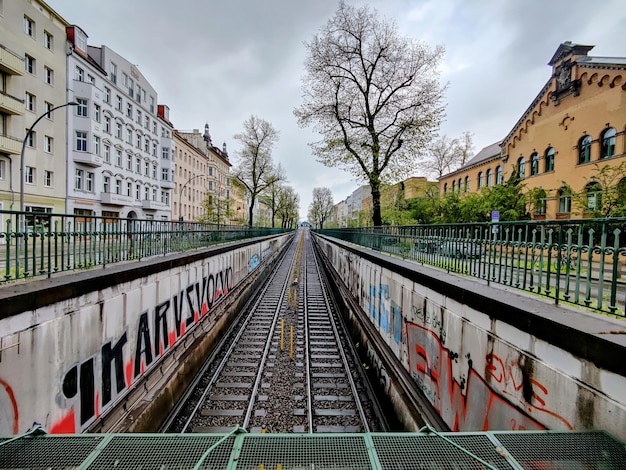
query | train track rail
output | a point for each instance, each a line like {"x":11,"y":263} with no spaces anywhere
{"x":286,"y":366}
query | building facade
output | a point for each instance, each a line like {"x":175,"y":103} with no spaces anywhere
{"x":117,"y":141}
{"x":33,"y":78}
{"x":573,"y":129}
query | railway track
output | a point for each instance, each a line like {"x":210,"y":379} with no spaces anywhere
{"x":287,"y":366}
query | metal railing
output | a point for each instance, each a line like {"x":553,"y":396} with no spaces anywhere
{"x":41,"y":244}
{"x":582,"y":262}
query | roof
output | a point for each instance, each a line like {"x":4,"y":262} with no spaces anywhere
{"x":487,"y":153}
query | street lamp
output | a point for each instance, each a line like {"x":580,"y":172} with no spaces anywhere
{"x":28,"y":133}
{"x":180,"y":193}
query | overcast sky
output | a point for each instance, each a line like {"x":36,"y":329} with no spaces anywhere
{"x":219,"y":62}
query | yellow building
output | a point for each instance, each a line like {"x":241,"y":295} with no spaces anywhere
{"x":391,"y":196}
{"x":574,"y":127}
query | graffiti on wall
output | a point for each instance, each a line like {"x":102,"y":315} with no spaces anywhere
{"x":94,"y":385}
{"x":385,"y":311}
{"x":506,"y":398}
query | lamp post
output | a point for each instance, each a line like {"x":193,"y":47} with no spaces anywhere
{"x":180,"y":193}
{"x":28,"y":134}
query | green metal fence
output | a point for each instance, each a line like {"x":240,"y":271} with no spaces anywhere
{"x":582,"y":262}
{"x":41,"y":244}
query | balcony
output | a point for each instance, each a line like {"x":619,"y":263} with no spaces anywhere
{"x":10,"y":62}
{"x":153,"y":205}
{"x":10,"y":145}
{"x":87,"y":158}
{"x":116,"y":199}
{"x":166,"y":184}
{"x":10,"y":104}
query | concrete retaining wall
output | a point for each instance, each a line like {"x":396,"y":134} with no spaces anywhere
{"x":488,"y":358}
{"x":72,"y":348}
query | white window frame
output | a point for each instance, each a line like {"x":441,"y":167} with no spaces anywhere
{"x":48,"y":144}
{"x":48,"y":178}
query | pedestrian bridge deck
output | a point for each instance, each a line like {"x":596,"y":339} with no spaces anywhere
{"x":241,"y":450}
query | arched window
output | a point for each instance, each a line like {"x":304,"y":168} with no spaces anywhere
{"x":540,"y":202}
{"x":521,"y":171}
{"x":445,"y":187}
{"x":549,"y":158}
{"x":584,"y":150}
{"x":467,"y":184}
{"x":489,"y":177}
{"x":480,"y":180}
{"x":534,"y":163}
{"x":453,"y":186}
{"x":608,"y":143}
{"x":460,"y":185}
{"x":593,"y":192}
{"x":565,"y":200}
{"x":499,"y":175}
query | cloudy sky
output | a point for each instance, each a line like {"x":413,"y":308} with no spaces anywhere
{"x":219,"y":62}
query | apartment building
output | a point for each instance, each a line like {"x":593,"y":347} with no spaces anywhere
{"x":118,"y":154}
{"x":32,"y":82}
{"x":575,"y":126}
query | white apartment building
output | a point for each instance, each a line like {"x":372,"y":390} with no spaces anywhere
{"x":120,"y":149}
{"x":32,"y":82}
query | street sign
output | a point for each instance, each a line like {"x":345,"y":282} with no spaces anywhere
{"x":495,"y":217}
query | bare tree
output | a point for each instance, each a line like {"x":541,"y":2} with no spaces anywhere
{"x":446,"y":155}
{"x":373,"y":95}
{"x":321,"y":207}
{"x":256,"y":169}
{"x":288,"y":206}
{"x":271,"y":195}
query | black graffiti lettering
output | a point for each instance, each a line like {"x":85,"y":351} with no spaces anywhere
{"x":87,"y":391}
{"x":210,"y":290}
{"x":160,"y":327}
{"x":219,"y":281}
{"x":143,"y":345}
{"x":188,"y":291}
{"x":108,"y":356}
{"x":229,"y":278}
{"x":70,"y":383}
{"x":201,"y":294}
{"x":178,"y":313}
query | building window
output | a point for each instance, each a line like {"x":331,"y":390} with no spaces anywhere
{"x":129,"y":110}
{"x":118,"y":157}
{"x":129,"y":136}
{"x":211,"y":186}
{"x":30,"y":102}
{"x":165,"y":153}
{"x":129,"y":188}
{"x":467,"y":184}
{"x":453,"y":186}
{"x":146,"y":169}
{"x":146,"y":144}
{"x":47,"y":108}
{"x":138,"y":141}
{"x":81,"y":109}
{"x":107,"y":153}
{"x":499,"y":175}
{"x":48,"y":40}
{"x":29,"y":26}
{"x":131,"y":88}
{"x":96,"y":145}
{"x":48,"y":144}
{"x":118,"y":130}
{"x":96,"y":112}
{"x":489,"y":177}
{"x":139,"y":116}
{"x":29,"y":175}
{"x":549,"y":157}
{"x":47,"y":178}
{"x":2,"y":170}
{"x":129,"y":162}
{"x":81,"y":141}
{"x":608,"y":143}
{"x":146,"y":193}
{"x":79,"y":74}
{"x":138,"y":165}
{"x":48,"y":75}
{"x":31,"y":139}
{"x":154,"y":172}
{"x":593,"y":192}
{"x":445,"y":187}
{"x":107,"y":95}
{"x":534,"y":163}
{"x":118,"y":103}
{"x":521,"y":167}
{"x":565,"y":201}
{"x":118,"y":186}
{"x":107,"y":124}
{"x":481,"y":183}
{"x":89,"y":182}
{"x":113,"y":72}
{"x":106,"y":184}
{"x":29,"y":64}
{"x":147,"y":123}
{"x":154,"y":128}
{"x":78,"y":178}
{"x":91,"y":79}
{"x":165,"y":174}
{"x":540,"y":202}
{"x":152,"y":104}
{"x":138,"y":191}
{"x":584,"y":149}
{"x":154,"y":149}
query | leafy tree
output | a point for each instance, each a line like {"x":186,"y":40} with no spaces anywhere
{"x":605,"y":193}
{"x":288,"y":206}
{"x":372,"y":94}
{"x":321,"y":207}
{"x":216,"y":210}
{"x":256,"y":169}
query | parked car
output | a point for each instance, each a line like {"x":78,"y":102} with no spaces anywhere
{"x":462,"y":249}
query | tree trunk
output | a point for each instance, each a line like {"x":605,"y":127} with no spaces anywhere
{"x":376,"y":217}
{"x":250,"y":210}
